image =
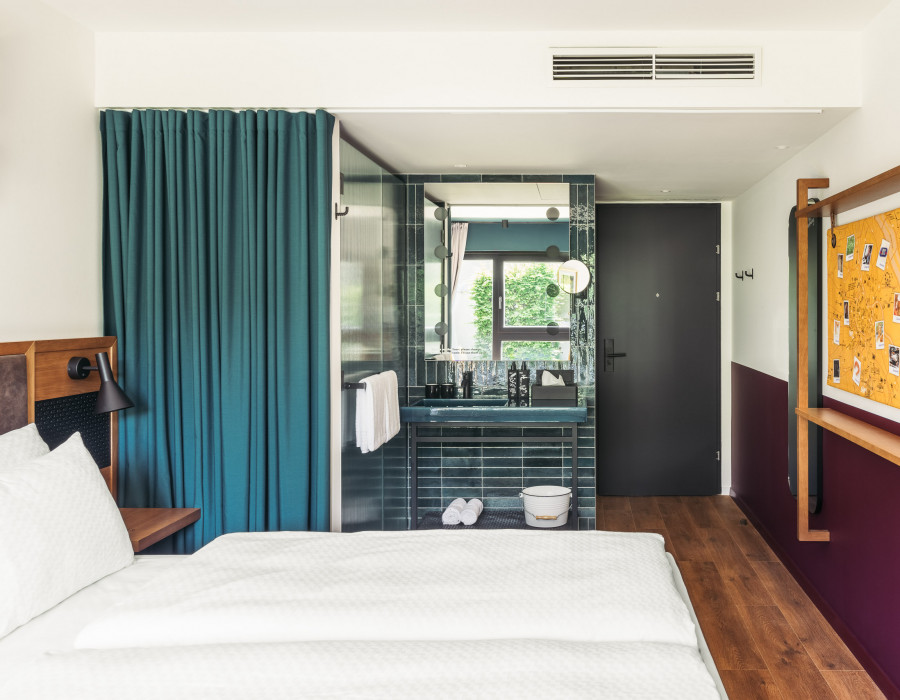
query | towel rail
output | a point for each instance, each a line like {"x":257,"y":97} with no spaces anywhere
{"x":350,"y":386}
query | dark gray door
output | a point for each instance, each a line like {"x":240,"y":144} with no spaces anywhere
{"x":658,"y":401}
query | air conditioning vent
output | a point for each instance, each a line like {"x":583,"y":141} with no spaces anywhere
{"x":600,"y":67}
{"x":644,"y":65}
{"x":737,"y":66}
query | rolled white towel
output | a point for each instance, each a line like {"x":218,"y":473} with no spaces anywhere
{"x":451,"y":516}
{"x":471,"y":512}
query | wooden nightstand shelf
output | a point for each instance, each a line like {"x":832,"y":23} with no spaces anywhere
{"x":148,"y":526}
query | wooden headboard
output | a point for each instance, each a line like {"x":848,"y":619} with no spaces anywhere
{"x":56,"y":403}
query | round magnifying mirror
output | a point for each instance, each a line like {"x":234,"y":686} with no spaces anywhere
{"x":573,"y":276}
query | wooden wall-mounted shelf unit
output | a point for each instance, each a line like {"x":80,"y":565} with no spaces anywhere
{"x":873,"y":189}
{"x":866,"y":435}
{"x":876,"y":440}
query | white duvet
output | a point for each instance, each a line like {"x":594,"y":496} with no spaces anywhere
{"x":425,"y":585}
{"x":521,"y":669}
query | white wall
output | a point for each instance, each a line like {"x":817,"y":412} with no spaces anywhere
{"x":49,"y":176}
{"x":437,"y":70}
{"x":863,"y":145}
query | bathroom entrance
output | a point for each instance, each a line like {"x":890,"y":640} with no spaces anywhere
{"x":658,"y":349}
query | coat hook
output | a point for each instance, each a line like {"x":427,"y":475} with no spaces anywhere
{"x":338,"y":214}
{"x":749,"y":274}
{"x":739,"y":276}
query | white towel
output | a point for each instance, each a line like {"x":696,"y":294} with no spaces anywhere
{"x":370,"y":418}
{"x":392,"y":404}
{"x":471,"y":512}
{"x":365,"y":418}
{"x":377,"y":411}
{"x":451,"y":516}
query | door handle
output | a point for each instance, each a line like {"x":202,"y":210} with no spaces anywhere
{"x":609,"y":353}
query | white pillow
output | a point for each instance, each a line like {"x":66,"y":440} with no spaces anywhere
{"x":60,"y":531}
{"x":21,"y":445}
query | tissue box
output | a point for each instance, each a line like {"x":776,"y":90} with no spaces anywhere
{"x":555,"y":395}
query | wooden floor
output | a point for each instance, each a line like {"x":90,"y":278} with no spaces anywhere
{"x":767,"y":638}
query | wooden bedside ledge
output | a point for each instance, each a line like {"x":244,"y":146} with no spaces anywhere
{"x":881,"y":442}
{"x":147,"y":526}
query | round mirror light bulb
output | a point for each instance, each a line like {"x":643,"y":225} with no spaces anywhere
{"x":441,"y":252}
{"x":553,"y":213}
{"x":440,"y":213}
{"x":441,"y":290}
{"x":552,"y":328}
{"x":573,"y":276}
{"x":440,"y":328}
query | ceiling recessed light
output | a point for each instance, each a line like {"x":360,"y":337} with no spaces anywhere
{"x":665,"y":191}
{"x":782,"y":148}
{"x":460,"y":165}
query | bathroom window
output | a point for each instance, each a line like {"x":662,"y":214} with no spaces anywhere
{"x":507,"y":306}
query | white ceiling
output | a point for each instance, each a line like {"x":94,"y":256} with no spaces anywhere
{"x":635,"y":156}
{"x":465,"y":15}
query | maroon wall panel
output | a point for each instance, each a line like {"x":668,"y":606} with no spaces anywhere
{"x":855,"y":578}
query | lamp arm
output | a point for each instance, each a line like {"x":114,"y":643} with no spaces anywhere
{"x":79,"y":368}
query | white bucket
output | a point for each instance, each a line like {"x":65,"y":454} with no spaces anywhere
{"x":546,"y":506}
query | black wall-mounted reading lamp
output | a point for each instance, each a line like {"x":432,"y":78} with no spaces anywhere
{"x":110,"y":397}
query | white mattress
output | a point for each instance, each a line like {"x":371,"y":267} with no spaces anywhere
{"x":423,"y":585}
{"x":486,"y":668}
{"x":400,"y":670}
{"x":56,"y":629}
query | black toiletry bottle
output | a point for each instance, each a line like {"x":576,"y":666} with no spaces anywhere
{"x":467,"y":381}
{"x":524,"y":385}
{"x":512,"y":385}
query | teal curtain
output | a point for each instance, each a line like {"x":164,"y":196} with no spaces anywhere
{"x":215,"y":281}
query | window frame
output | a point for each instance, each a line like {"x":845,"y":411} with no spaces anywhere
{"x":500,"y":332}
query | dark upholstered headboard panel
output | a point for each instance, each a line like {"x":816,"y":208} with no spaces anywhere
{"x":13,"y":392}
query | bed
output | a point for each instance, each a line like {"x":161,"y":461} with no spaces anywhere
{"x":485,"y":614}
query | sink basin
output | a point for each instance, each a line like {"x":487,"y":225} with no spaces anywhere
{"x":487,"y":410}
{"x":444,"y":403}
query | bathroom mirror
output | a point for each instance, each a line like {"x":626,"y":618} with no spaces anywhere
{"x":573,"y":276}
{"x":492,"y":259}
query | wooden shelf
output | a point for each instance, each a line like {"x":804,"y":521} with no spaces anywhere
{"x":873,"y":189}
{"x":876,"y":440}
{"x":881,"y":442}
{"x":148,"y":526}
